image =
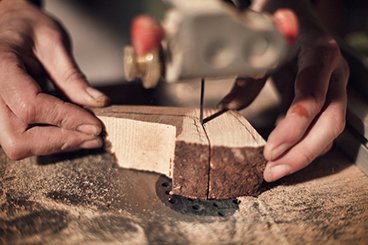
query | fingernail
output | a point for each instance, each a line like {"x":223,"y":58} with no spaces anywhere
{"x":275,"y":152}
{"x":273,"y":173}
{"x":97,"y":95}
{"x":89,"y":129}
{"x":92,"y":144}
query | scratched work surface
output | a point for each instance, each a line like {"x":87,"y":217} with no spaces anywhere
{"x":86,"y":198}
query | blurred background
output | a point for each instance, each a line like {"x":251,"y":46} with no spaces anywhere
{"x":99,"y":29}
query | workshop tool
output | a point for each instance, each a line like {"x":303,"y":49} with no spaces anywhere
{"x":209,"y":39}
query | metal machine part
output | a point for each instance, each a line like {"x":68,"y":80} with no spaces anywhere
{"x":208,"y":38}
{"x":147,"y":67}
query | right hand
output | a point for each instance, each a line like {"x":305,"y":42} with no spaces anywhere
{"x":33,"y":122}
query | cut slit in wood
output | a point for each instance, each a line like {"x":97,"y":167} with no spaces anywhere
{"x":222,"y":159}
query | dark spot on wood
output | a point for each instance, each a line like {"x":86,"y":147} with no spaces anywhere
{"x":66,"y":197}
{"x":236,"y":201}
{"x":172,"y":200}
{"x":35,"y":223}
{"x":165,"y":184}
{"x":196,"y":207}
{"x":236,"y":177}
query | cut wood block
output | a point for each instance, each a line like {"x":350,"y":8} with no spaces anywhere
{"x":223,"y":159}
{"x":236,"y":161}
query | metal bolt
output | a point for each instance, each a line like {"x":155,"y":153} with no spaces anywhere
{"x":146,"y":67}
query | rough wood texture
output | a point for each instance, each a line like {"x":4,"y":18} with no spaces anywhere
{"x":222,"y":160}
{"x":191,"y":145}
{"x":236,"y":161}
{"x":141,"y":145}
{"x":85,"y":198}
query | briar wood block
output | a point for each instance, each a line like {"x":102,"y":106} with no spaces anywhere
{"x":166,"y":140}
{"x":219,"y":160}
{"x":236,"y":162}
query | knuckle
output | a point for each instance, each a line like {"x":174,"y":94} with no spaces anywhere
{"x":59,"y":110}
{"x":52,"y":35}
{"x":66,"y":146}
{"x":322,"y":55}
{"x":14,"y":149}
{"x":306,"y":157}
{"x":72,"y":75}
{"x":7,"y":58}
{"x":313,"y":104}
{"x":26,"y":111}
{"x":329,"y":48}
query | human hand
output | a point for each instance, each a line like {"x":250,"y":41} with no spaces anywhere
{"x":316,"y":115}
{"x":33,"y":122}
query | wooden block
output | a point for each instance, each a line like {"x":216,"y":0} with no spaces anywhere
{"x":191,"y":145}
{"x":223,"y":159}
{"x":131,"y":136}
{"x":236,"y":162}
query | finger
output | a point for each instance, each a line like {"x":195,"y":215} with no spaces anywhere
{"x":64,"y":72}
{"x":25,"y":100}
{"x":19,"y":142}
{"x":146,"y":34}
{"x":327,"y":149}
{"x":287,"y":23}
{"x":319,"y":138}
{"x":310,"y":92}
{"x":244,"y":91}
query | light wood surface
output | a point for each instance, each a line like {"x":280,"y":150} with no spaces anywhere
{"x":85,"y":198}
{"x":141,"y":145}
{"x":222,"y":159}
{"x":236,"y":161}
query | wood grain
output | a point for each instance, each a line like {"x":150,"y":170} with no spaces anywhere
{"x":191,"y":145}
{"x":221,"y":160}
{"x":84,"y":198}
{"x":236,"y":162}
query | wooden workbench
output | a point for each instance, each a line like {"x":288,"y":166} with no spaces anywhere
{"x":85,"y":198}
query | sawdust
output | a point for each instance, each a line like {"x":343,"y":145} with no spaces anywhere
{"x":86,"y":198}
